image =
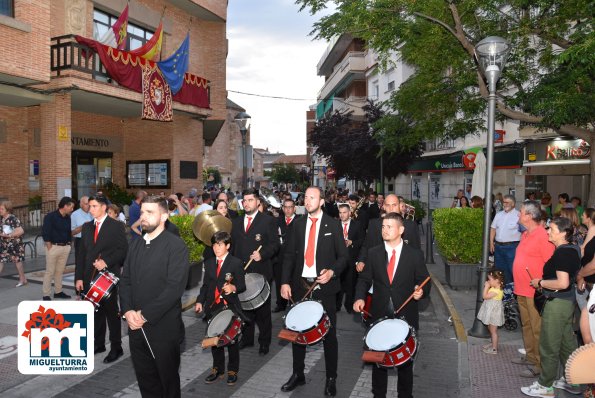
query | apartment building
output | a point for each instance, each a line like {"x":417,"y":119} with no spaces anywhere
{"x":67,"y":128}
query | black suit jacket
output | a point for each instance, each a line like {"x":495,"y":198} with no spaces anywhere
{"x":111,"y":244}
{"x":231,"y":265}
{"x":374,"y":237}
{"x":331,"y":253}
{"x":356,"y":235}
{"x":372,"y":209}
{"x":263,"y":231}
{"x":411,"y":271}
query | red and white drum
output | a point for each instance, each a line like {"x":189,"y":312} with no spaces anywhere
{"x":225,"y":326}
{"x":395,"y":337}
{"x":101,"y":287}
{"x":309,"y":320}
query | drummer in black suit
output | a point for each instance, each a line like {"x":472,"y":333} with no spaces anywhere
{"x":285,"y":226}
{"x":315,"y":253}
{"x":223,"y":280}
{"x":395,"y":270}
{"x":249,"y":232}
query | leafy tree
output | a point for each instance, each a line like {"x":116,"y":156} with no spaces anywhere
{"x":285,"y":173}
{"x":353,"y":150}
{"x":211,"y":171}
{"x":547,"y":82}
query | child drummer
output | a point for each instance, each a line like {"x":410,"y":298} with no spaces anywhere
{"x":396,"y":270}
{"x":224,"y":278}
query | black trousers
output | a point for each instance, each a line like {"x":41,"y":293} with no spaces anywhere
{"x":108,"y":311}
{"x":277,"y":268}
{"x":348,"y":279}
{"x":157,"y":377}
{"x":404,"y":381}
{"x":233,"y":364}
{"x":331,"y":346}
{"x":76,"y":243}
{"x":261,"y":317}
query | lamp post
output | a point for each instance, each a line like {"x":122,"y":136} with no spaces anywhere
{"x":491,"y":54}
{"x":243,"y":121}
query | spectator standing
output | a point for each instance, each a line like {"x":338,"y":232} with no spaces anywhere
{"x":505,"y":236}
{"x":56,"y":232}
{"x":134,"y":214}
{"x":11,"y":245}
{"x":557,"y":340}
{"x":578,"y":236}
{"x":532,"y":252}
{"x":205,"y":205}
{"x":563,"y":200}
{"x":577,"y":203}
{"x":77,"y":219}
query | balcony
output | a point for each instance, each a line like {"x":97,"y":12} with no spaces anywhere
{"x":352,"y":67}
{"x":439,"y":144}
{"x":95,"y":93}
{"x":336,"y":47}
{"x":351,"y":104}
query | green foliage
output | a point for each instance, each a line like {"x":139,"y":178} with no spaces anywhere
{"x":285,"y":173}
{"x":195,"y":247}
{"x":458,"y":234}
{"x":35,"y":201}
{"x":211,"y":171}
{"x":117,"y":195}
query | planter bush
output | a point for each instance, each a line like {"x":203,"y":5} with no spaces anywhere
{"x":195,"y":248}
{"x":458,"y":234}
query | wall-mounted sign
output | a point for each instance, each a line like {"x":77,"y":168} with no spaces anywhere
{"x":101,"y":143}
{"x":507,"y":159}
{"x":62,"y":133}
{"x":558,"y":150}
{"x":499,"y":136}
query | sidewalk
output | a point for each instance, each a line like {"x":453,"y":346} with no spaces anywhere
{"x":484,"y":374}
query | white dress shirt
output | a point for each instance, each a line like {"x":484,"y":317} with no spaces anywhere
{"x":389,"y":251}
{"x":310,"y":272}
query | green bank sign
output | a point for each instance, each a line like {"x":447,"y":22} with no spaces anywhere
{"x":508,"y":159}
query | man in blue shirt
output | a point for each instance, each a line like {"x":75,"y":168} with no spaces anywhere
{"x":134,"y":213}
{"x":57,"y":237}
{"x":77,"y":219}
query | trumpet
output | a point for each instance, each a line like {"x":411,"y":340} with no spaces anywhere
{"x":355,"y":213}
{"x":409,"y":212}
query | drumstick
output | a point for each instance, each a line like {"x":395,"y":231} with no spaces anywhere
{"x":410,"y":297}
{"x":310,"y":290}
{"x":250,"y":262}
{"x":146,"y":339}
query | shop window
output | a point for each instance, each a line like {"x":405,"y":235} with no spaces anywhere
{"x":148,"y":174}
{"x":137,"y":36}
{"x":7,"y":8}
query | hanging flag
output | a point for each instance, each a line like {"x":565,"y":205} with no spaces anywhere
{"x":116,"y":35}
{"x":157,"y":101}
{"x":174,"y":67}
{"x":152,"y":48}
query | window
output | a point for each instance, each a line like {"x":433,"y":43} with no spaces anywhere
{"x":391,"y":85}
{"x":7,"y":8}
{"x":102,"y":22}
{"x":147,"y":174}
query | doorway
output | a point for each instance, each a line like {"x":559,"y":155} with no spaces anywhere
{"x":91,"y":171}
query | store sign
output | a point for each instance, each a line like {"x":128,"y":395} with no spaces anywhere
{"x":465,"y":161}
{"x":565,"y":150}
{"x":102,"y":143}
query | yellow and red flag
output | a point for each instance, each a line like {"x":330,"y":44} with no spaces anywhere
{"x":116,"y":35}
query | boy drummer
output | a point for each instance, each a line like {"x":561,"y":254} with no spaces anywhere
{"x":224,"y":278}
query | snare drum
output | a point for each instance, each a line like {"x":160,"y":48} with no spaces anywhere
{"x":226,"y":326}
{"x":395,"y":337}
{"x":309,"y":320}
{"x":257,"y":292}
{"x":101,"y":287}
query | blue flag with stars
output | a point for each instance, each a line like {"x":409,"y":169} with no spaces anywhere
{"x":174,"y":67}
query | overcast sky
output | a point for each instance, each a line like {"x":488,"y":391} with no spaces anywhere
{"x":271,"y":54}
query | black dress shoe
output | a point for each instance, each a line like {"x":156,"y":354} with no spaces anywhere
{"x":47,"y":298}
{"x":263,"y":350}
{"x":243,"y":344}
{"x":232,"y":378}
{"x":213,"y":376}
{"x":330,"y":388}
{"x":294,"y":381}
{"x":99,"y":350}
{"x":278,"y":309}
{"x":61,"y":295}
{"x":113,"y":355}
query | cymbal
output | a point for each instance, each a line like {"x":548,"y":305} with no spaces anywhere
{"x":211,"y":225}
{"x":200,"y":219}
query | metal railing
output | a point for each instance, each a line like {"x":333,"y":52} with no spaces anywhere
{"x":31,"y":216}
{"x":439,"y":144}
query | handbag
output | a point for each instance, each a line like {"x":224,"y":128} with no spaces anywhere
{"x":539,"y":299}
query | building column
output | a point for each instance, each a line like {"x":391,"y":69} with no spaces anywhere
{"x":187,"y":145}
{"x":55,"y":163}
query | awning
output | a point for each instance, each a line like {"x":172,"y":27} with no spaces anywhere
{"x":505,"y":159}
{"x":210,"y":130}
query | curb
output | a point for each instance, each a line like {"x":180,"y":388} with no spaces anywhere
{"x":460,"y":331}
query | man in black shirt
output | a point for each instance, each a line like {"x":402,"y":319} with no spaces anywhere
{"x":56,"y":232}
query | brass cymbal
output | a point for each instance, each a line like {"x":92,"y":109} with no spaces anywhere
{"x":211,"y":225}
{"x":200,"y":219}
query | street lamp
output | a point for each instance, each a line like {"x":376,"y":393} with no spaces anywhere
{"x":243,"y":121}
{"x":491,"y":54}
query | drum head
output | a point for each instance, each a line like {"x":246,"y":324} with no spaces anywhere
{"x":387,"y":334}
{"x":254,"y":285}
{"x":219,"y":323}
{"x":304,"y":315}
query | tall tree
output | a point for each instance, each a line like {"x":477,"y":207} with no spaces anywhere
{"x":285,"y":173}
{"x":548,"y":81}
{"x":353,"y":149}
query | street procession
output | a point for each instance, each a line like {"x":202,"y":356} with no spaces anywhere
{"x":300,"y":198}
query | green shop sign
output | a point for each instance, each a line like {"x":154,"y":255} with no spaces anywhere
{"x":463,"y":161}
